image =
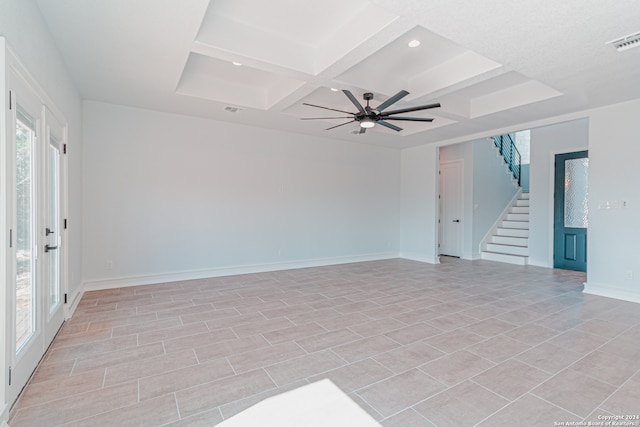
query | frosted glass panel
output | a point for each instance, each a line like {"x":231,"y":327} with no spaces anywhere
{"x":576,"y":193}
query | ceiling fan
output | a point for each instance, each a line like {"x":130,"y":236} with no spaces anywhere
{"x":368,"y":117}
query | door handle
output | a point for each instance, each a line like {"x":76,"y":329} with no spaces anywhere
{"x":48,"y":231}
{"x":48,"y":248}
{"x":456,"y":220}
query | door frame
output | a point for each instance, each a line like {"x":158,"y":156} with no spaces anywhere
{"x":15,"y":77}
{"x":551,"y":198}
{"x":558,"y":181}
{"x":441,"y":233}
{"x":58,"y":129}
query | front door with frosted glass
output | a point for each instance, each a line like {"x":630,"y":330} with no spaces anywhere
{"x":571,"y":211}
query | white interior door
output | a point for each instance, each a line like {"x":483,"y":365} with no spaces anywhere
{"x":34,"y":180}
{"x":451,"y":208}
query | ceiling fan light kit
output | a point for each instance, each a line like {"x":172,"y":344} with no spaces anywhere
{"x":367,"y":123}
{"x":368,"y":116}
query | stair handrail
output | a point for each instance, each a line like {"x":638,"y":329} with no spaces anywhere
{"x":510,"y":153}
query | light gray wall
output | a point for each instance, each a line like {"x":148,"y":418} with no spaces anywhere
{"x":546,"y":142}
{"x":613,"y":255}
{"x":419,"y":207}
{"x":493,"y":190}
{"x":27,"y":35}
{"x":166,"y":194}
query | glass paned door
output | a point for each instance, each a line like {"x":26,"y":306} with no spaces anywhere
{"x":24,"y":314}
{"x":35,"y":177}
{"x":53,"y":227}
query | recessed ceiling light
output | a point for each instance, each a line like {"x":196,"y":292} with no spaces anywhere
{"x":333,"y":89}
{"x":414,"y":43}
{"x":237,"y":64}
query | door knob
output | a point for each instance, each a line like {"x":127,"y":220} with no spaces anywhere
{"x":456,"y":220}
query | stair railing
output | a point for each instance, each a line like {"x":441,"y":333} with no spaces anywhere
{"x":510,"y":153}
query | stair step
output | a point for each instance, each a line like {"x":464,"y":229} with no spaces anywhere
{"x":519,"y":210}
{"x":524,"y":196}
{"x":510,"y":240}
{"x":511,"y":259}
{"x":507,"y":249}
{"x":517,"y":217}
{"x":523,"y":225}
{"x":522,"y":203}
{"x":512,"y":232}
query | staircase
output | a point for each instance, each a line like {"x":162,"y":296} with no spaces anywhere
{"x":509,"y":241}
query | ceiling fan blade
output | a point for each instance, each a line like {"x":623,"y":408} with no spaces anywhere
{"x":342,"y":124}
{"x":410,"y":119}
{"x":409,"y":109}
{"x":395,"y":98}
{"x":322,"y":118}
{"x":327,"y":108}
{"x":389,"y":125}
{"x":354,"y":101}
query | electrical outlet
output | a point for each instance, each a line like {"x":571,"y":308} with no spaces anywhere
{"x":108,"y":265}
{"x":628,"y":275}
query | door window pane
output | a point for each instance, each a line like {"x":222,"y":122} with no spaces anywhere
{"x":54,"y":221}
{"x":576,"y":193}
{"x":24,"y":241}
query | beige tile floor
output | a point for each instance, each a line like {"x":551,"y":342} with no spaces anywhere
{"x":455,"y":344}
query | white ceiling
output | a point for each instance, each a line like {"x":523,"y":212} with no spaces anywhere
{"x":491,"y":64}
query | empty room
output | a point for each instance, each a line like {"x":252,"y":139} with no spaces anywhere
{"x":366,"y":213}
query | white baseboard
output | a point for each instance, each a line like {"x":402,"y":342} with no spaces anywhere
{"x":75,"y":300}
{"x":414,"y":256}
{"x":609,"y":291}
{"x":120,"y":282}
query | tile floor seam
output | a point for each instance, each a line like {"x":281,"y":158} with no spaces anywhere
{"x":599,"y":379}
{"x":104,"y":379}
{"x":230,"y":364}
{"x":628,"y":380}
{"x":175,"y":400}
{"x":533,"y":390}
{"x":555,"y":404}
{"x":497,"y":411}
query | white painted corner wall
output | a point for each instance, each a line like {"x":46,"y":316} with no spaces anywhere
{"x":419,"y":207}
{"x":184,"y":197}
{"x":27,"y":35}
{"x":546,"y":142}
{"x":613,"y":255}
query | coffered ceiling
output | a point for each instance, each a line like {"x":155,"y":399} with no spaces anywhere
{"x":490,"y":64}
